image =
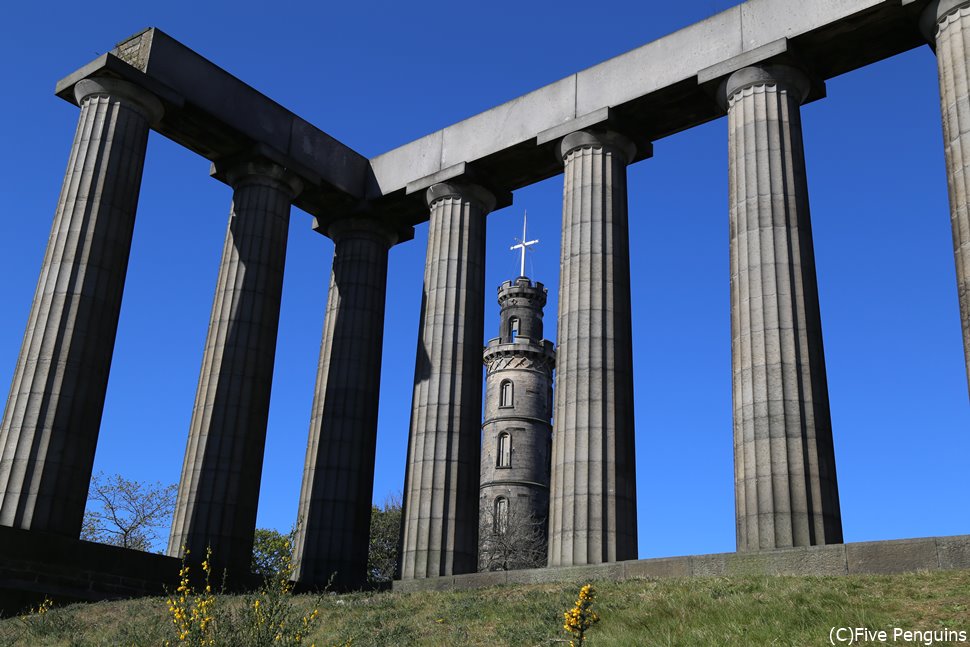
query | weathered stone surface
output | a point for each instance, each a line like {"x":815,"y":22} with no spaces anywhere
{"x":954,"y":552}
{"x":53,"y":414}
{"x":219,"y":488}
{"x":899,"y":556}
{"x":577,"y":574}
{"x":333,"y":526}
{"x":810,"y":560}
{"x":592,"y":510}
{"x":440,"y":524}
{"x":660,"y":568}
{"x":709,"y":565}
{"x":785,"y":483}
{"x":951,"y":29}
{"x":480,"y":580}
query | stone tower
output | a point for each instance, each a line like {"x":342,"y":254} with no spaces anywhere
{"x":517,"y":432}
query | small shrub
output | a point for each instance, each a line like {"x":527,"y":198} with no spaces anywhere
{"x":581,"y":617}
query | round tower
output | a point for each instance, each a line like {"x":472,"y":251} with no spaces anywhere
{"x":517,"y":432}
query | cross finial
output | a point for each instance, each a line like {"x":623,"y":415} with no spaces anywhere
{"x":523,"y":243}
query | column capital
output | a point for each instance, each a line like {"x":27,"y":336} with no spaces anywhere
{"x":356,"y":227}
{"x":933,"y":15}
{"x":146,"y":103}
{"x":600,"y":139}
{"x":463,"y":190}
{"x":785,"y":76}
{"x":257,"y":170}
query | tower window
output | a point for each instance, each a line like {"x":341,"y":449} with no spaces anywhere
{"x":501,"y":521}
{"x":504,"y":449}
{"x":506,"y":397}
{"x":513,"y":328}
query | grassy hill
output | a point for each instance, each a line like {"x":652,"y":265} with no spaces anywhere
{"x":717,"y":611}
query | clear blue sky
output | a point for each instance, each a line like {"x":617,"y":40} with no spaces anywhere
{"x":377,"y":75}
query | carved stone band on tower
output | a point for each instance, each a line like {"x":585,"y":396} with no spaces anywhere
{"x":785,"y":486}
{"x":53,"y":414}
{"x":333,"y":525}
{"x":219,"y":488}
{"x":946,"y":24}
{"x":440,"y":515}
{"x":592,"y":509}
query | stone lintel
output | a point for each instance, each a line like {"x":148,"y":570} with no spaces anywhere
{"x":216,"y":115}
{"x":654,"y":88}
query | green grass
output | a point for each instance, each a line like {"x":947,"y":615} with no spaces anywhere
{"x":748,"y":610}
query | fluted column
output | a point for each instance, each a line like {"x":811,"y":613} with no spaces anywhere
{"x":947,"y":24}
{"x":593,"y":511}
{"x":219,"y":488}
{"x":785,"y":485}
{"x":440,"y":517}
{"x":338,"y":478}
{"x":50,"y":426}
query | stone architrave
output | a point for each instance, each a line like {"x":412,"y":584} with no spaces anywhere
{"x":786,"y":491}
{"x":53,"y":414}
{"x":333,"y":527}
{"x":592,"y":509}
{"x":440,"y":515}
{"x":946,"y":24}
{"x":219,"y":488}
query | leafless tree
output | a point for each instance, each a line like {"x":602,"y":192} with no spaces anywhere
{"x":127,"y":513}
{"x":511,"y":537}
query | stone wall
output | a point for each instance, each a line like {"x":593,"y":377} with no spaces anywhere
{"x":36,"y":564}
{"x":876,"y":557}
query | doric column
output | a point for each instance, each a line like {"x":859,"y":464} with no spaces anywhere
{"x":947,"y":24}
{"x":784,"y":462}
{"x":50,"y":426}
{"x":338,"y":478}
{"x":440,"y":524}
{"x":219,"y":488}
{"x":592,"y":510}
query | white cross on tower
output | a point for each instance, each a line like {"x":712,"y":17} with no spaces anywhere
{"x":523,"y":243}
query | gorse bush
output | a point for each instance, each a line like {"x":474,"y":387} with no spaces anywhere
{"x":191,"y":612}
{"x":581,"y":617}
{"x":265,"y":618}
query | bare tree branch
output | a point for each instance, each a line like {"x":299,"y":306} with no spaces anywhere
{"x":516,"y":541}
{"x":127,"y":513}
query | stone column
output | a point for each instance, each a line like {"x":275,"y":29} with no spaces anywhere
{"x":440,"y":517}
{"x":946,"y":23}
{"x":219,"y":488}
{"x":338,"y":478}
{"x":593,"y":510}
{"x":50,"y":426}
{"x":784,"y":462}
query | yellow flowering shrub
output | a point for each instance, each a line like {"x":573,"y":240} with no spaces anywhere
{"x":192,"y":612}
{"x":581,"y":617}
{"x":266,"y":618}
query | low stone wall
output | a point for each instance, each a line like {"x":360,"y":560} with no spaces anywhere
{"x":34,"y":565}
{"x":893,"y":556}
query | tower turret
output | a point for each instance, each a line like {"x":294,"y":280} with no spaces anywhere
{"x":517,"y":433}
